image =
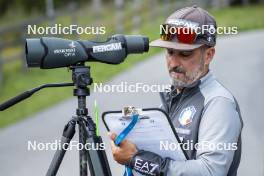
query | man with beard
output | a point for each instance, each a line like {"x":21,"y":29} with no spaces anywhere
{"x":202,"y":111}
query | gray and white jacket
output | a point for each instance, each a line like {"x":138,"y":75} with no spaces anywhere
{"x":204,"y":113}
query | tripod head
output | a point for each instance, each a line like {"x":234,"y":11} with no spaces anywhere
{"x":81,"y":76}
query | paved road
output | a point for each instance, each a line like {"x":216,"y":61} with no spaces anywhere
{"x":238,"y":64}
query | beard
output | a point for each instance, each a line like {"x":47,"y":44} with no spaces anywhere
{"x":186,"y":78}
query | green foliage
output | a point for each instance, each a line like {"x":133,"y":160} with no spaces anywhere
{"x":245,"y":18}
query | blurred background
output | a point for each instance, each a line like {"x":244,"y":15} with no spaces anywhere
{"x":118,"y":16}
{"x":123,"y":17}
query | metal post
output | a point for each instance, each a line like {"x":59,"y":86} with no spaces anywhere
{"x":119,"y":16}
{"x":50,"y":12}
{"x":166,"y":6}
{"x":153,"y":6}
{"x":97,"y":7}
{"x":245,"y":2}
{"x":136,"y":18}
{"x":74,"y":18}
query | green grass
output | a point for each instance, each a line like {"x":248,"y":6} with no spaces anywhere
{"x":245,"y":18}
{"x":18,"y":80}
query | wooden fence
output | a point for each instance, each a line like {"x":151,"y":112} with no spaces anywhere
{"x":128,"y":16}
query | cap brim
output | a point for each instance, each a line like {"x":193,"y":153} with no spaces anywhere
{"x":173,"y":45}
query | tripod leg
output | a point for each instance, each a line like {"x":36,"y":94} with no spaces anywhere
{"x":98,"y":163}
{"x":68,"y":133}
{"x":82,"y":153}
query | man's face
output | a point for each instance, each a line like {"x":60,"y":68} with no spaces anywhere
{"x":185,"y":67}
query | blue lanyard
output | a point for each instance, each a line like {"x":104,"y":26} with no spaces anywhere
{"x":122,"y":136}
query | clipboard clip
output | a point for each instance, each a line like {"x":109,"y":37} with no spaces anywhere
{"x":129,"y":111}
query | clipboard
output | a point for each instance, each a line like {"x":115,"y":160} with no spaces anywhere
{"x":153,"y":132}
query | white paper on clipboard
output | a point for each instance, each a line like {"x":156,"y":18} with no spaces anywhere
{"x":153,"y":132}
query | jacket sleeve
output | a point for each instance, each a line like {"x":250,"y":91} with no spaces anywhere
{"x":219,"y":130}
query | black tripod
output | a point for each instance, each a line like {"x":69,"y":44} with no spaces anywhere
{"x":95,"y":159}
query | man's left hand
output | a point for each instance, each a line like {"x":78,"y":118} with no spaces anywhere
{"x":124,"y":152}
